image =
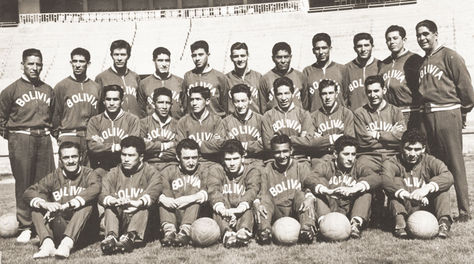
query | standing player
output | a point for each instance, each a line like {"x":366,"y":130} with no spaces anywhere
{"x":160,"y":78}
{"x":76,"y":102}
{"x":281,"y":56}
{"x":26,"y":110}
{"x":413,"y":179}
{"x":347,"y":185}
{"x":159,"y":130}
{"x":358,"y":70}
{"x":281,"y":193}
{"x":244,"y":124}
{"x":184,"y":192}
{"x":120,"y":75}
{"x":446,"y":90}
{"x":323,"y":68}
{"x":65,"y":204}
{"x":128,"y":191}
{"x":106,"y":130}
{"x":232,"y":189}
{"x":242,"y":74}
{"x":204,"y":75}
{"x":400,"y":73}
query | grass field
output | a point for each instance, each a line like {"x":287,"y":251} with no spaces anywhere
{"x":376,"y":246}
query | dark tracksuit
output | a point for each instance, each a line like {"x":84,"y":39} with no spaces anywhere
{"x":353,"y":85}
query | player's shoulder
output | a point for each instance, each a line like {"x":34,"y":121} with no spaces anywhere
{"x":147,"y":79}
{"x":104,"y":73}
{"x":176,"y":77}
{"x":131,"y":116}
{"x":361,"y":110}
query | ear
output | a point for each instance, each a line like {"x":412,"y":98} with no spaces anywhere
{"x":208,"y":101}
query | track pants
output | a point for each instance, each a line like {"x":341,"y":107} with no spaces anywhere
{"x":178,"y":217}
{"x":439,"y":205}
{"x":357,"y":206}
{"x":119,"y":222}
{"x":244,"y":220}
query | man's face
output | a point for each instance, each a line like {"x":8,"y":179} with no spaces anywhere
{"x":282,"y":153}
{"x":328,"y":96}
{"x":363,"y":48}
{"x":200,"y":57}
{"x":112,"y":101}
{"x":120,"y":57}
{"x":282,"y":60}
{"x":284,"y":96}
{"x":395,"y":42}
{"x":130,"y":158}
{"x":233,"y":162}
{"x":70,"y":159}
{"x":163,"y":106}
{"x":189,"y":159}
{"x":322,"y":51}
{"x":162,"y":63}
{"x":79,"y":65}
{"x":426,"y":39}
{"x":198,"y":103}
{"x":32,"y":67}
{"x":241,"y":103}
{"x":240,"y":58}
{"x":411,"y":153}
{"x":346,"y":157}
{"x":375,"y":93}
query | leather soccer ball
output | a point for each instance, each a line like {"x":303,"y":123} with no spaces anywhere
{"x":8,"y":225}
{"x":286,"y":231}
{"x":205,"y":232}
{"x":422,"y":224}
{"x":335,"y":227}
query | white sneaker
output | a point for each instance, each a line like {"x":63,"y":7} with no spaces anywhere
{"x":46,"y":250}
{"x":24,"y":237}
{"x":64,"y":248}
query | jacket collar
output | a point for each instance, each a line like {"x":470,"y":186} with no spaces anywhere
{"x":285,"y":74}
{"x":75,"y":79}
{"x":159,"y":78}
{"x":292,"y":106}
{"x":381,"y":107}
{"x":247,"y":116}
{"x":204,"y":115}
{"x":328,"y":64}
{"x":120,"y":114}
{"x":369,"y":61}
{"x":157,"y":119}
{"x":332,"y":110}
{"x":112,"y":68}
{"x":207,"y":69}
{"x":247,"y":71}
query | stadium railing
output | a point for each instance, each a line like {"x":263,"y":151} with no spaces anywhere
{"x":277,"y":7}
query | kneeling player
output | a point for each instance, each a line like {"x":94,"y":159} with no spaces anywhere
{"x":128,"y":191}
{"x":413,"y":180}
{"x":183,"y":193}
{"x":347,"y":185}
{"x":281,"y":193}
{"x":71,"y":215}
{"x":232,"y":189}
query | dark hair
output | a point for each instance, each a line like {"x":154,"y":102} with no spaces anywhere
{"x":120,"y":44}
{"x":160,"y":50}
{"x":398,"y":28}
{"x":237,"y":46}
{"x":69,"y":144}
{"x":186,"y":143}
{"x":344,"y":141}
{"x":281,"y":46}
{"x":283,"y":81}
{"x":204,"y":91}
{"x":133,"y":141}
{"x":162,"y":91}
{"x":113,"y":88}
{"x":326,"y":83}
{"x":374,"y":79}
{"x":412,"y":136}
{"x":363,"y":35}
{"x":322,"y":37}
{"x":200,"y":44}
{"x":280,"y":139}
{"x":32,"y":52}
{"x":428,"y":24}
{"x":82,"y":52}
{"x":241,"y":88}
{"x":232,"y":146}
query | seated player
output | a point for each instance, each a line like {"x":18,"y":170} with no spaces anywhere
{"x":347,"y":185}
{"x":415,"y":180}
{"x":159,"y":130}
{"x":281,"y":194}
{"x":184,"y":191}
{"x":128,"y":191}
{"x":244,"y":124}
{"x":64,"y":205}
{"x":232,"y":189}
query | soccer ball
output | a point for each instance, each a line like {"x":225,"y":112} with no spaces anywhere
{"x":335,"y":227}
{"x":422,"y":224}
{"x":286,"y":231}
{"x":205,"y":232}
{"x":8,"y":225}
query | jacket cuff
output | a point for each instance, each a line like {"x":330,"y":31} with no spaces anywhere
{"x":365,"y":185}
{"x":318,"y":187}
{"x":434,"y":187}
{"x":244,"y":205}
{"x":107,"y":200}
{"x":36,"y":201}
{"x":146,"y":199}
{"x":203,"y":196}
{"x":217,"y":206}
{"x":400,"y":191}
{"x":309,"y":195}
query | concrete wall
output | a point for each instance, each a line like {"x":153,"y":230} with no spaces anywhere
{"x":29,"y":6}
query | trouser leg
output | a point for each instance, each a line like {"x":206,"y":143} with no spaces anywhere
{"x":361,"y":206}
{"x":78,"y":222}
{"x":305,"y":216}
{"x":112,"y":221}
{"x":137,"y":222}
{"x":42,"y":228}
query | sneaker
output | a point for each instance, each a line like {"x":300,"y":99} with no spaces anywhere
{"x":126,"y":242}
{"x":169,"y":239}
{"x":355,"y":229}
{"x":462,"y":218}
{"x":264,"y":237}
{"x":64,"y":249}
{"x":230,"y":239}
{"x":243,"y":237}
{"x":24,"y":236}
{"x":444,"y":228}
{"x":400,"y":233}
{"x":307,"y":234}
{"x":47,"y":249}
{"x":109,"y":245}
{"x":182,"y":240}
